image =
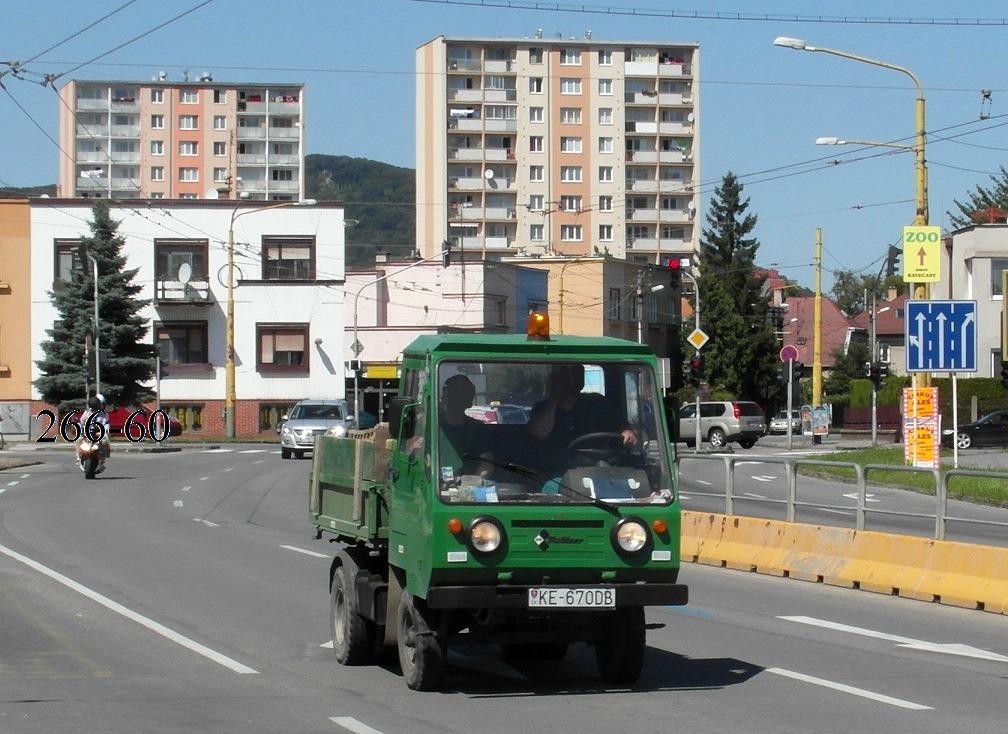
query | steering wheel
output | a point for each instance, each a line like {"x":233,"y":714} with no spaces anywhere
{"x":604,"y":446}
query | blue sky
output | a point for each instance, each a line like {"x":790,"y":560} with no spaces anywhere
{"x":761,"y":107}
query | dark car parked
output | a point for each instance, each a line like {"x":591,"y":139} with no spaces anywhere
{"x":118,"y":416}
{"x":990,"y":430}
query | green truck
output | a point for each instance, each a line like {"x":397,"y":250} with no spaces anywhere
{"x":553,"y":522}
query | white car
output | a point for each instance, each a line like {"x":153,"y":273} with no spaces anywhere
{"x":311,"y":418}
{"x":779,"y":424}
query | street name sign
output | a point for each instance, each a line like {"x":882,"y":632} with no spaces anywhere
{"x":941,"y":336}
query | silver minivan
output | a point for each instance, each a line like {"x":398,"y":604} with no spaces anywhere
{"x":722,"y":421}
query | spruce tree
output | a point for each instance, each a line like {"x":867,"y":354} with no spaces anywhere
{"x":980,"y":200}
{"x":742,"y":356}
{"x":127,"y":362}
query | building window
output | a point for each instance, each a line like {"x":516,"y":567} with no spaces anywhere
{"x":189,"y":96}
{"x":282,"y":347}
{"x":537,"y":174}
{"x":536,"y":85}
{"x":220,"y":175}
{"x":570,"y":233}
{"x":157,"y":173}
{"x":536,"y":202}
{"x":220,"y":96}
{"x":605,"y":203}
{"x":570,"y":57}
{"x":188,"y":122}
{"x":219,"y":122}
{"x":188,"y":147}
{"x":270,"y":415}
{"x":536,"y":232}
{"x":182,"y":344}
{"x":604,"y":57}
{"x":570,"y":203}
{"x":570,"y":145}
{"x":605,"y":145}
{"x":605,"y":174}
{"x":997,"y":265}
{"x":614,"y":304}
{"x":536,"y":144}
{"x":282,"y":122}
{"x":536,"y":114}
{"x":669,"y":232}
{"x":288,"y":258}
{"x":605,"y":116}
{"x":605,"y":233}
{"x":157,"y":96}
{"x":66,"y":261}
{"x":570,"y":115}
{"x":189,"y":174}
{"x":156,"y":195}
{"x":570,"y":86}
{"x":282,"y":174}
{"x":157,"y":122}
{"x":605,"y":86}
{"x":190,"y":416}
{"x":535,"y":55}
{"x":220,"y":149}
{"x":157,"y":147}
{"x":570,"y":174}
{"x":171,"y":255}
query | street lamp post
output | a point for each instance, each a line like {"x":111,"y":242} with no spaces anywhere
{"x":97,"y":341}
{"x":918,"y":290}
{"x":230,"y":396}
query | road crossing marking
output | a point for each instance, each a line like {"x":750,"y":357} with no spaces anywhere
{"x":351,"y":724}
{"x":867,"y":497}
{"x":303,"y":550}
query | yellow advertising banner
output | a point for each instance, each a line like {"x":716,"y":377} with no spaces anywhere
{"x":920,"y":402}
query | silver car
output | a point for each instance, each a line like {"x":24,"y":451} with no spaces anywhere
{"x":722,"y":421}
{"x":311,"y":418}
{"x":779,"y":424}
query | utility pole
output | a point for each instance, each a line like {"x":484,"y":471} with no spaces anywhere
{"x":817,"y":332}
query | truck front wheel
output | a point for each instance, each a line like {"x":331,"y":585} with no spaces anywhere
{"x":421,"y":651}
{"x":620,"y":645}
{"x":352,"y":635}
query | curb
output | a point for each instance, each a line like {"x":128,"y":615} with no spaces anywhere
{"x":959,"y":574}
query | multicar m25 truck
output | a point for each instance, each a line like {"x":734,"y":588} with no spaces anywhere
{"x":554,"y":529}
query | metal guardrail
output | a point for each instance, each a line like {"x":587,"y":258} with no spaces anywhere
{"x":861,"y":474}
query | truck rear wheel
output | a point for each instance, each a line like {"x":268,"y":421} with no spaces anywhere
{"x":421,"y":651}
{"x":352,"y":635}
{"x":619,"y":648}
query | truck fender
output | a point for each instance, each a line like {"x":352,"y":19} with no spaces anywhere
{"x":397,"y":579}
{"x":369,"y":585}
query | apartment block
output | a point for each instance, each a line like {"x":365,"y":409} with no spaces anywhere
{"x":182,"y":140}
{"x":565,"y":146}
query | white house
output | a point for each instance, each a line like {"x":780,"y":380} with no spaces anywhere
{"x":288,"y":298}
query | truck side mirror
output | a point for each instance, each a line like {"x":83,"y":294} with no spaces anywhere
{"x":402,"y":417}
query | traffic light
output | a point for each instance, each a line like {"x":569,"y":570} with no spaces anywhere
{"x":894,"y":254}
{"x":674,"y":265}
{"x":1004,"y":373}
{"x":868,"y":370}
{"x":883,"y":373}
{"x":798,"y":371}
{"x":695,"y":370}
{"x":875,"y":373}
{"x":446,"y":255}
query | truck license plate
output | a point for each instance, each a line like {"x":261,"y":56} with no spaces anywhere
{"x":553,"y":597}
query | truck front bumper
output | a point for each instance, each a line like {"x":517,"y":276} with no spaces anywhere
{"x":517,"y":596}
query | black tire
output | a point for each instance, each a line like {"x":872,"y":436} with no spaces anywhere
{"x":422,"y":654}
{"x":285,"y":453}
{"x":90,"y":467}
{"x":747,"y":443}
{"x":299,"y":454}
{"x":619,"y":648}
{"x":717,"y":438}
{"x":352,"y":635}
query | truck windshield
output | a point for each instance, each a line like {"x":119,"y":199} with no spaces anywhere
{"x":550,"y":432}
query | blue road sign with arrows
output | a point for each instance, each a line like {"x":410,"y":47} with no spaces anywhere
{"x":941,"y":336}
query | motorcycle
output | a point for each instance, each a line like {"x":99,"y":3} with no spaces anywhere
{"x":89,"y":456}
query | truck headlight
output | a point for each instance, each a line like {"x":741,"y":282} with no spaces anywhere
{"x":338,"y":430}
{"x":485,"y":535}
{"x":630,"y":535}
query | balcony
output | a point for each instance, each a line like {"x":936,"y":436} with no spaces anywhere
{"x":466,"y":124}
{"x":92,"y":104}
{"x":466,"y":154}
{"x":500,"y":95}
{"x":500,"y":126}
{"x":464,"y":65}
{"x":641,"y":215}
{"x":498,"y":243}
{"x":92,"y":131}
{"x":642,"y":243}
{"x":500,"y":213}
{"x":92,"y":183}
{"x":93,"y":157}
{"x":673,"y":70}
{"x":649,"y":97}
{"x":284,"y":133}
{"x":644,"y":185}
{"x":675,"y":216}
{"x":251,"y":159}
{"x":642,"y":156}
{"x":465,"y":95}
{"x":284,"y":187}
{"x":495,"y":66}
{"x":175,"y":292}
{"x":675,"y":128}
{"x":466,"y":213}
{"x":251,"y":133}
{"x":648,"y":67}
{"x":474,"y":183}
{"x":125,"y":131}
{"x":499,"y":154}
{"x":278,"y":159}
{"x":284,"y":108}
{"x":674,"y":156}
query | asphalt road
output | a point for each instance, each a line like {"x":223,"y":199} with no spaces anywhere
{"x":184,"y":592}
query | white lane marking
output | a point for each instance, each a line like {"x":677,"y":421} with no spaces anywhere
{"x":743,"y":463}
{"x":867,"y":497}
{"x":2,"y":490}
{"x":881,"y":698}
{"x":206,"y":522}
{"x":845,"y":513}
{"x":203,"y":479}
{"x":764,"y":478}
{"x":177,"y":503}
{"x":306,"y":552}
{"x":704,"y":481}
{"x":118,"y":608}
{"x":351,"y":724}
{"x":952,"y":648}
{"x":12,"y":484}
{"x":186,"y":489}
{"x":217,"y":451}
{"x":327,"y":644}
{"x":230,"y":468}
{"x":24,"y":476}
{"x":684,"y":497}
{"x":253,"y":451}
{"x":755,"y":496}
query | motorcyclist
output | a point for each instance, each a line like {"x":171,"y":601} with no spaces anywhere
{"x":96,"y":405}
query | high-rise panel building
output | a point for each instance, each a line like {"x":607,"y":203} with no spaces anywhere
{"x":181,"y":140}
{"x":565,"y":146}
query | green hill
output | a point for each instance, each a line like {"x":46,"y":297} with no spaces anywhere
{"x":379,"y":203}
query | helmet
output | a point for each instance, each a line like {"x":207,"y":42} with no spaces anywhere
{"x":96,"y":402}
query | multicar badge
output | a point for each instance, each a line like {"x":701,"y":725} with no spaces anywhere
{"x":544,"y":540}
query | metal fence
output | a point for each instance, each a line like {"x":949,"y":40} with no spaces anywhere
{"x":940,"y":485}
